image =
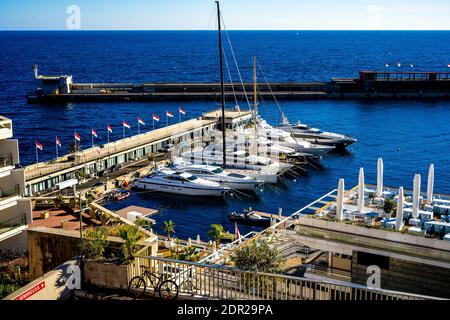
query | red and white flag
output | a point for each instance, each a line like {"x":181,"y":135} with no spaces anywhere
{"x":109,"y":128}
{"x":141,"y":121}
{"x":169,"y":114}
{"x":126,"y":125}
{"x":182,"y":111}
{"x":39,"y":145}
{"x":155,"y":117}
{"x":77,"y":136}
{"x":58,"y":143}
{"x":448,"y":65}
{"x":237,"y":234}
{"x":94,"y":133}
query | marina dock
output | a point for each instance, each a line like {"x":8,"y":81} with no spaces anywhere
{"x":369,"y":85}
{"x":46,"y":175}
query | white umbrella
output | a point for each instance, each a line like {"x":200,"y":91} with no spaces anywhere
{"x":430,"y":184}
{"x":189,"y":242}
{"x":340,"y":201}
{"x":198,"y":239}
{"x":214,"y":247}
{"x":399,"y":218}
{"x":361,"y":190}
{"x":379,"y":177}
{"x":416,"y":195}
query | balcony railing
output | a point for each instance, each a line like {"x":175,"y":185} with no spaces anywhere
{"x":13,"y":223}
{"x":9,"y":193}
{"x":220,"y":282}
{"x":6,"y":160}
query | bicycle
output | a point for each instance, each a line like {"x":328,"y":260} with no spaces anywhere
{"x":167,"y":289}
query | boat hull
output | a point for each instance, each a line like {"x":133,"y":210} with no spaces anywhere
{"x":187,"y":191}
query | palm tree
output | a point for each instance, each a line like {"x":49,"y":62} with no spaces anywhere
{"x":216,"y":232}
{"x":169,"y":228}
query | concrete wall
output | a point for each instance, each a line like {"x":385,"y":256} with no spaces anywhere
{"x":49,"y":248}
{"x":400,"y":275}
{"x":57,"y":284}
{"x":105,"y":275}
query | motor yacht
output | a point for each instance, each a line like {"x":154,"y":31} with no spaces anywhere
{"x":176,"y":182}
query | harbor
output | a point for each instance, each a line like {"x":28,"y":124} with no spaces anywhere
{"x":197,"y":175}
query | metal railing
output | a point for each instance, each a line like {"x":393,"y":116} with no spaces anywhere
{"x":219,"y":282}
{"x":8,"y":193}
{"x":12,"y":223}
{"x":6,"y":160}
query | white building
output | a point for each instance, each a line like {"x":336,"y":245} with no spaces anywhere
{"x":15,"y":211}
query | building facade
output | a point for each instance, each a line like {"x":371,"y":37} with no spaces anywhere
{"x":15,"y":211}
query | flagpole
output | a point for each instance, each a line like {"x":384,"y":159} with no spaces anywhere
{"x":139,"y":127}
{"x":56,"y":150}
{"x":92,"y":138}
{"x":167,"y":120}
{"x":37,"y":156}
{"x":153,"y":121}
{"x":107,"y":130}
{"x":123,"y":128}
{"x":179,"y":116}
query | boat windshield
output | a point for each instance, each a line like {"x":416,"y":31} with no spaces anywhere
{"x":217,"y":171}
{"x":236,"y":175}
{"x":191,"y":178}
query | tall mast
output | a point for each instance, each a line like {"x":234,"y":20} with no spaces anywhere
{"x":222,"y":94}
{"x":255,"y":99}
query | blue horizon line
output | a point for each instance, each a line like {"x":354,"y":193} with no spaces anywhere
{"x":230,"y":30}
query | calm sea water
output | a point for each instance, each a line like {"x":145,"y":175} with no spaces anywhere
{"x":409,"y":135}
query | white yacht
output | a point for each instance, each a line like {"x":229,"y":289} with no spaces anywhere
{"x":260,"y":146}
{"x":285,"y":139}
{"x":233,"y":180}
{"x":316,"y":136}
{"x":239,"y":159}
{"x":184,"y":183}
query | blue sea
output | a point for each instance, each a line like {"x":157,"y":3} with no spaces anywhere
{"x":408,"y":135}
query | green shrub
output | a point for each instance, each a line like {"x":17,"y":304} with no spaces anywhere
{"x":258,"y":258}
{"x":94,"y":243}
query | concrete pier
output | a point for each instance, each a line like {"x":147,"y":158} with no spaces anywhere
{"x":369,"y":85}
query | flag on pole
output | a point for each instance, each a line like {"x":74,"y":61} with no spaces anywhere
{"x":237,"y":234}
{"x":94,"y":133}
{"x":58,"y":143}
{"x":126,"y":125}
{"x":39,"y":145}
{"x":77,"y":137}
{"x":109,"y":128}
{"x":182,"y":111}
{"x":169,"y":114}
{"x":140,"y":121}
{"x":387,"y":65}
{"x":448,"y":65}
{"x":399,"y":64}
{"x":155,"y":117}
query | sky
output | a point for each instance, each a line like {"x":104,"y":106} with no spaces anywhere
{"x":238,"y":14}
